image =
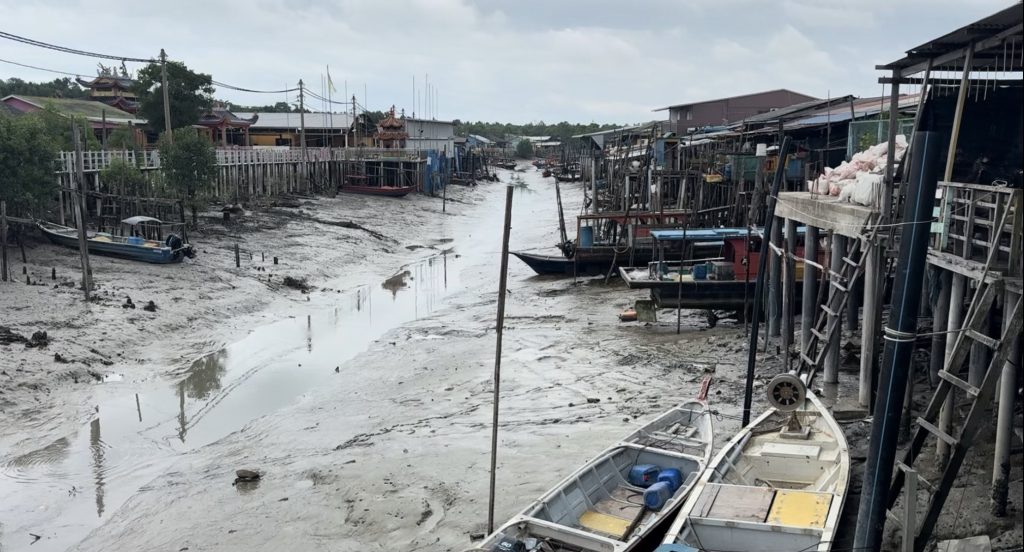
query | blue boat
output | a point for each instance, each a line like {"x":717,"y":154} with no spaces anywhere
{"x":135,"y":247}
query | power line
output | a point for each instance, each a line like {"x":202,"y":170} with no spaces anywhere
{"x":240,"y":89}
{"x":67,"y":50}
{"x":41,"y":68}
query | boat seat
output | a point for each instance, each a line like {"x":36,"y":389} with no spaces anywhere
{"x":613,"y":515}
{"x":799,"y":509}
{"x":790,"y":450}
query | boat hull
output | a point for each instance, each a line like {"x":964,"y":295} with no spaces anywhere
{"x":779,"y":484}
{"x":155,"y":255}
{"x":611,"y":518}
{"x":585,"y":262}
{"x":385,"y":191}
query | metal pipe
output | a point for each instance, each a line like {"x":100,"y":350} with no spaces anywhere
{"x":808,"y":305}
{"x":775,"y":283}
{"x":873,"y":276}
{"x":1004,"y":420}
{"x":788,"y":289}
{"x":956,"y":307}
{"x":762,"y":261}
{"x":896,"y":360}
{"x":940,"y":319}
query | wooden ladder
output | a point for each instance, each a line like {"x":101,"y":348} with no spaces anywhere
{"x":827,"y":323}
{"x":979,"y":398}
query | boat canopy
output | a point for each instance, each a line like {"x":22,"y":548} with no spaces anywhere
{"x":132,"y":221}
{"x":706,"y":234}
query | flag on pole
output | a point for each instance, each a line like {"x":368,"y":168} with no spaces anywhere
{"x":330,"y":83}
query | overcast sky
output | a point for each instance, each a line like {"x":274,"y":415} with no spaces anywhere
{"x":511,"y":61}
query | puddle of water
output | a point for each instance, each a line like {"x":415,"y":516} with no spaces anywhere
{"x":65,"y":488}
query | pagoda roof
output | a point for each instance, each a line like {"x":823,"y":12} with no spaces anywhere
{"x":121,"y":82}
{"x":390,"y":121}
{"x":221,"y":116}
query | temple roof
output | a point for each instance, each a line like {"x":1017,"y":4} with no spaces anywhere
{"x":120,"y":82}
{"x":89,"y":109}
{"x":221,"y":116}
{"x":391,"y":122}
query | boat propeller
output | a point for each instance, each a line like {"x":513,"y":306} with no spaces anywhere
{"x":786,"y":392}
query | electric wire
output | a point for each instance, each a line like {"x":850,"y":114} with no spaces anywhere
{"x":65,"y":49}
{"x":42,"y":68}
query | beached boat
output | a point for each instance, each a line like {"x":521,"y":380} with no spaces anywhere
{"x":779,"y":484}
{"x":359,"y":184}
{"x":171,"y":249}
{"x":621,"y":498}
{"x":724,"y":279}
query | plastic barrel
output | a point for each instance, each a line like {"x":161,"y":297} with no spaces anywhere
{"x":673,"y":477}
{"x":700,"y":271}
{"x":657,"y":495}
{"x":586,"y":236}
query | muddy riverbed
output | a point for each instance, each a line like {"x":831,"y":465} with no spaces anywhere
{"x":364,"y":402}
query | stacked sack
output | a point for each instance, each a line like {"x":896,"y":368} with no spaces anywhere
{"x":859,"y":179}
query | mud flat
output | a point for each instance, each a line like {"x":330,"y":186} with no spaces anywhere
{"x":366,"y":409}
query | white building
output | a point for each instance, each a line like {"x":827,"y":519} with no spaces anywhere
{"x":428,"y":134}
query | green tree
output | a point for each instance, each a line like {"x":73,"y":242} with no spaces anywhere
{"x":124,"y":177}
{"x":57,"y":88}
{"x":58,"y":127}
{"x":189,"y":166}
{"x":122,"y":138}
{"x":524,"y":149}
{"x":27,"y":154}
{"x":190,"y":94}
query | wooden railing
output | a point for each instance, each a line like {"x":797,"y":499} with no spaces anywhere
{"x":94,"y":161}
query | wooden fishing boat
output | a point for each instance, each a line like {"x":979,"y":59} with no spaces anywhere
{"x":172,"y":249}
{"x":621,"y":498}
{"x":724,"y":279}
{"x":779,"y":484}
{"x":566,"y":177}
{"x":359,"y":184}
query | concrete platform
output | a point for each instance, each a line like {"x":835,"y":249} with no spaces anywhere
{"x":825,"y":212}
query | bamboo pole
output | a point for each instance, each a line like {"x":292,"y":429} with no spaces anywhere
{"x":502,"y":284}
{"x":83,"y":248}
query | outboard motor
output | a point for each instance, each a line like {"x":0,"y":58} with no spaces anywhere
{"x":174,"y":241}
{"x":509,"y":544}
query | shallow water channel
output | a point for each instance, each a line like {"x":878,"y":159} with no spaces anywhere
{"x":70,"y":486}
{"x":76,"y":480}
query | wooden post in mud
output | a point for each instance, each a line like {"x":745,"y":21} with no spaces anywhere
{"x":502,"y":284}
{"x":3,"y":240}
{"x":238,"y":258}
{"x":80,"y":210}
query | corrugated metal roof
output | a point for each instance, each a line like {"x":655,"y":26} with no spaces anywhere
{"x":864,"y":107}
{"x":89,"y":109}
{"x":752,"y":94}
{"x":337,"y":121}
{"x":1000,"y":22}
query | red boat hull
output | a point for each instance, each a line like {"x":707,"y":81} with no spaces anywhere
{"x":386,"y":191}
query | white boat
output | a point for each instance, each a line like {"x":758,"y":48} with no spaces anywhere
{"x":777,"y":485}
{"x":604,"y":506}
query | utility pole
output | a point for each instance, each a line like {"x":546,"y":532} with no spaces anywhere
{"x":302,"y":128}
{"x":167,"y":101}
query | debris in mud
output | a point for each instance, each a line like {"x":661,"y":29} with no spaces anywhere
{"x":39,"y":339}
{"x":297,"y":283}
{"x":127,"y":303}
{"x":57,"y":357}
{"x":150,"y":306}
{"x":8,"y":337}
{"x":246,"y":476}
{"x":593,"y":400}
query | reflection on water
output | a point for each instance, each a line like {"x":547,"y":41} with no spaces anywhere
{"x":96,"y":445}
{"x":205,"y":374}
{"x":134,"y":436}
